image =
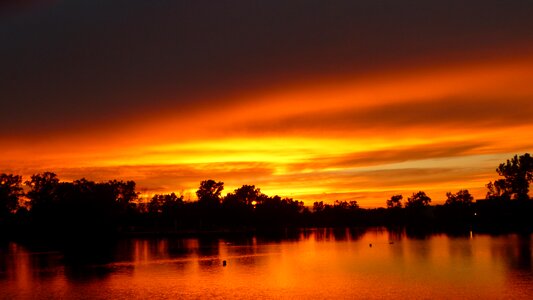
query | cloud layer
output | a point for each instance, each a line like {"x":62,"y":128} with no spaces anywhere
{"x":345,"y":99}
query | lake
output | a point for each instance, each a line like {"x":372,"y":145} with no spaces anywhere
{"x":317,"y":263}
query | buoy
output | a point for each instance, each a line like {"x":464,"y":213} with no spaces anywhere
{"x":223,"y":263}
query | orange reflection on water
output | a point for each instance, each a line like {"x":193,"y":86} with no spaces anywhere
{"x":318,"y":263}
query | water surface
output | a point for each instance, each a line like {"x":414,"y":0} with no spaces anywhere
{"x":321,"y":263}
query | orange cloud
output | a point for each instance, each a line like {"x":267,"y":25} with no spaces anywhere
{"x":435,"y":129}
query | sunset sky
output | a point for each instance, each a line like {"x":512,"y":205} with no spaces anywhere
{"x":315,"y":100}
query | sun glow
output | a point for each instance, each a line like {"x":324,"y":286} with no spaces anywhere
{"x":351,"y":138}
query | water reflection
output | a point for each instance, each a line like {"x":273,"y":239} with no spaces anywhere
{"x":523,"y":257}
{"x":316,"y":263}
{"x":334,"y":234}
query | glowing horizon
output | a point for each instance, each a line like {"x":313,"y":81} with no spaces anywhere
{"x":361,"y":115}
{"x":324,"y":163}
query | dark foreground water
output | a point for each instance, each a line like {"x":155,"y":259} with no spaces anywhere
{"x":319,"y":263}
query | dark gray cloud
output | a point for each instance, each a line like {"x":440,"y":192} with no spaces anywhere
{"x":81,"y":62}
{"x":440,"y":113}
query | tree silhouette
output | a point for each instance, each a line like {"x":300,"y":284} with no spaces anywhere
{"x":318,"y":206}
{"x":345,"y":205}
{"x":461,"y":198}
{"x":209,"y":193}
{"x":164,"y":204}
{"x":498,"y":190}
{"x":207,"y":212}
{"x":249,"y":195}
{"x":83,"y":207}
{"x":353,"y":205}
{"x":457,"y":211}
{"x":517,"y":173}
{"x":276,"y":211}
{"x":168,"y":208}
{"x":124,"y":193}
{"x":395,"y":202}
{"x":238,"y":207}
{"x":10,"y":191}
{"x":41,"y":194}
{"x":418,"y":200}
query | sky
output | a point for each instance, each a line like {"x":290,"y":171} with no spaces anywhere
{"x":315,"y":100}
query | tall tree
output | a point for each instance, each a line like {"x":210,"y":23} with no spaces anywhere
{"x":247,"y":195}
{"x":461,"y":198}
{"x":42,"y":191}
{"x":10,"y":192}
{"x":318,"y":206}
{"x":498,"y":190}
{"x":125,"y":194}
{"x":165,"y":204}
{"x":209,"y":192}
{"x":418,"y":200}
{"x":395,"y":201}
{"x":517,"y":173}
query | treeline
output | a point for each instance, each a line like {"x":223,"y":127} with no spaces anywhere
{"x":48,"y":206}
{"x":82,"y":207}
{"x":507,"y":205}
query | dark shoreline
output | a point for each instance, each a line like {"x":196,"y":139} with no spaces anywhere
{"x":280,"y":233}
